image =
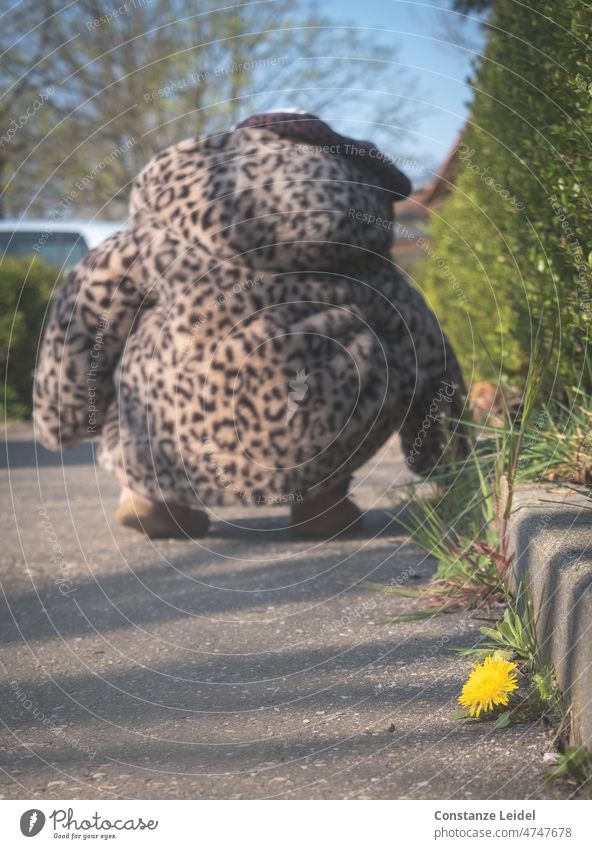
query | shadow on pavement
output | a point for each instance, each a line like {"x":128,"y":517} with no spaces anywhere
{"x":28,"y":454}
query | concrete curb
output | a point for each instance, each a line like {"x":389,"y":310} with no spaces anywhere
{"x":551,"y":535}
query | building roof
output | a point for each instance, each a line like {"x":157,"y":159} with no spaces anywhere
{"x":420,"y":203}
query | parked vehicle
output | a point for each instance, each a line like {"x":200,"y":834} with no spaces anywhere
{"x":61,"y":244}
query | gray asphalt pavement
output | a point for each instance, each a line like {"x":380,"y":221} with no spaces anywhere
{"x":246,"y":665}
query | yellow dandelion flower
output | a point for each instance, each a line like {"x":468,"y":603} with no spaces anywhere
{"x":489,"y":685}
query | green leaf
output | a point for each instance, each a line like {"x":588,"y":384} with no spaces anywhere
{"x":461,"y":714}
{"x":504,"y":720}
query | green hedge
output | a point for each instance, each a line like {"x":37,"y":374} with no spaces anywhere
{"x":515,"y":235}
{"x":26,"y":287}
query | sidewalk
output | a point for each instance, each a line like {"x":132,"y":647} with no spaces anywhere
{"x":247,"y":665}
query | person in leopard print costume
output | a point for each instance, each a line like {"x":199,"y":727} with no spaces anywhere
{"x":248,"y":337}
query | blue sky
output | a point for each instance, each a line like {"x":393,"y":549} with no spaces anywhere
{"x":420,"y":32}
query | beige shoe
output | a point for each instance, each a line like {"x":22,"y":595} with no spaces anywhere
{"x":327,"y":515}
{"x":157,"y":519}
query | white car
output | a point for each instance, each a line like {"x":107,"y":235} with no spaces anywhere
{"x":61,"y":244}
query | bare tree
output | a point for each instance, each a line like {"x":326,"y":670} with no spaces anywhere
{"x":128,"y":81}
{"x":27,"y":62}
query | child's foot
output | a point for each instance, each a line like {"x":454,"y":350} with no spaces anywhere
{"x":329,"y":514}
{"x":157,"y":519}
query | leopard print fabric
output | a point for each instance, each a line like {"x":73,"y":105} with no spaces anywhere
{"x":248,"y":337}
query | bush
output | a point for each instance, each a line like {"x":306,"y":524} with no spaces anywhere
{"x":515,"y":233}
{"x":26,"y":287}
